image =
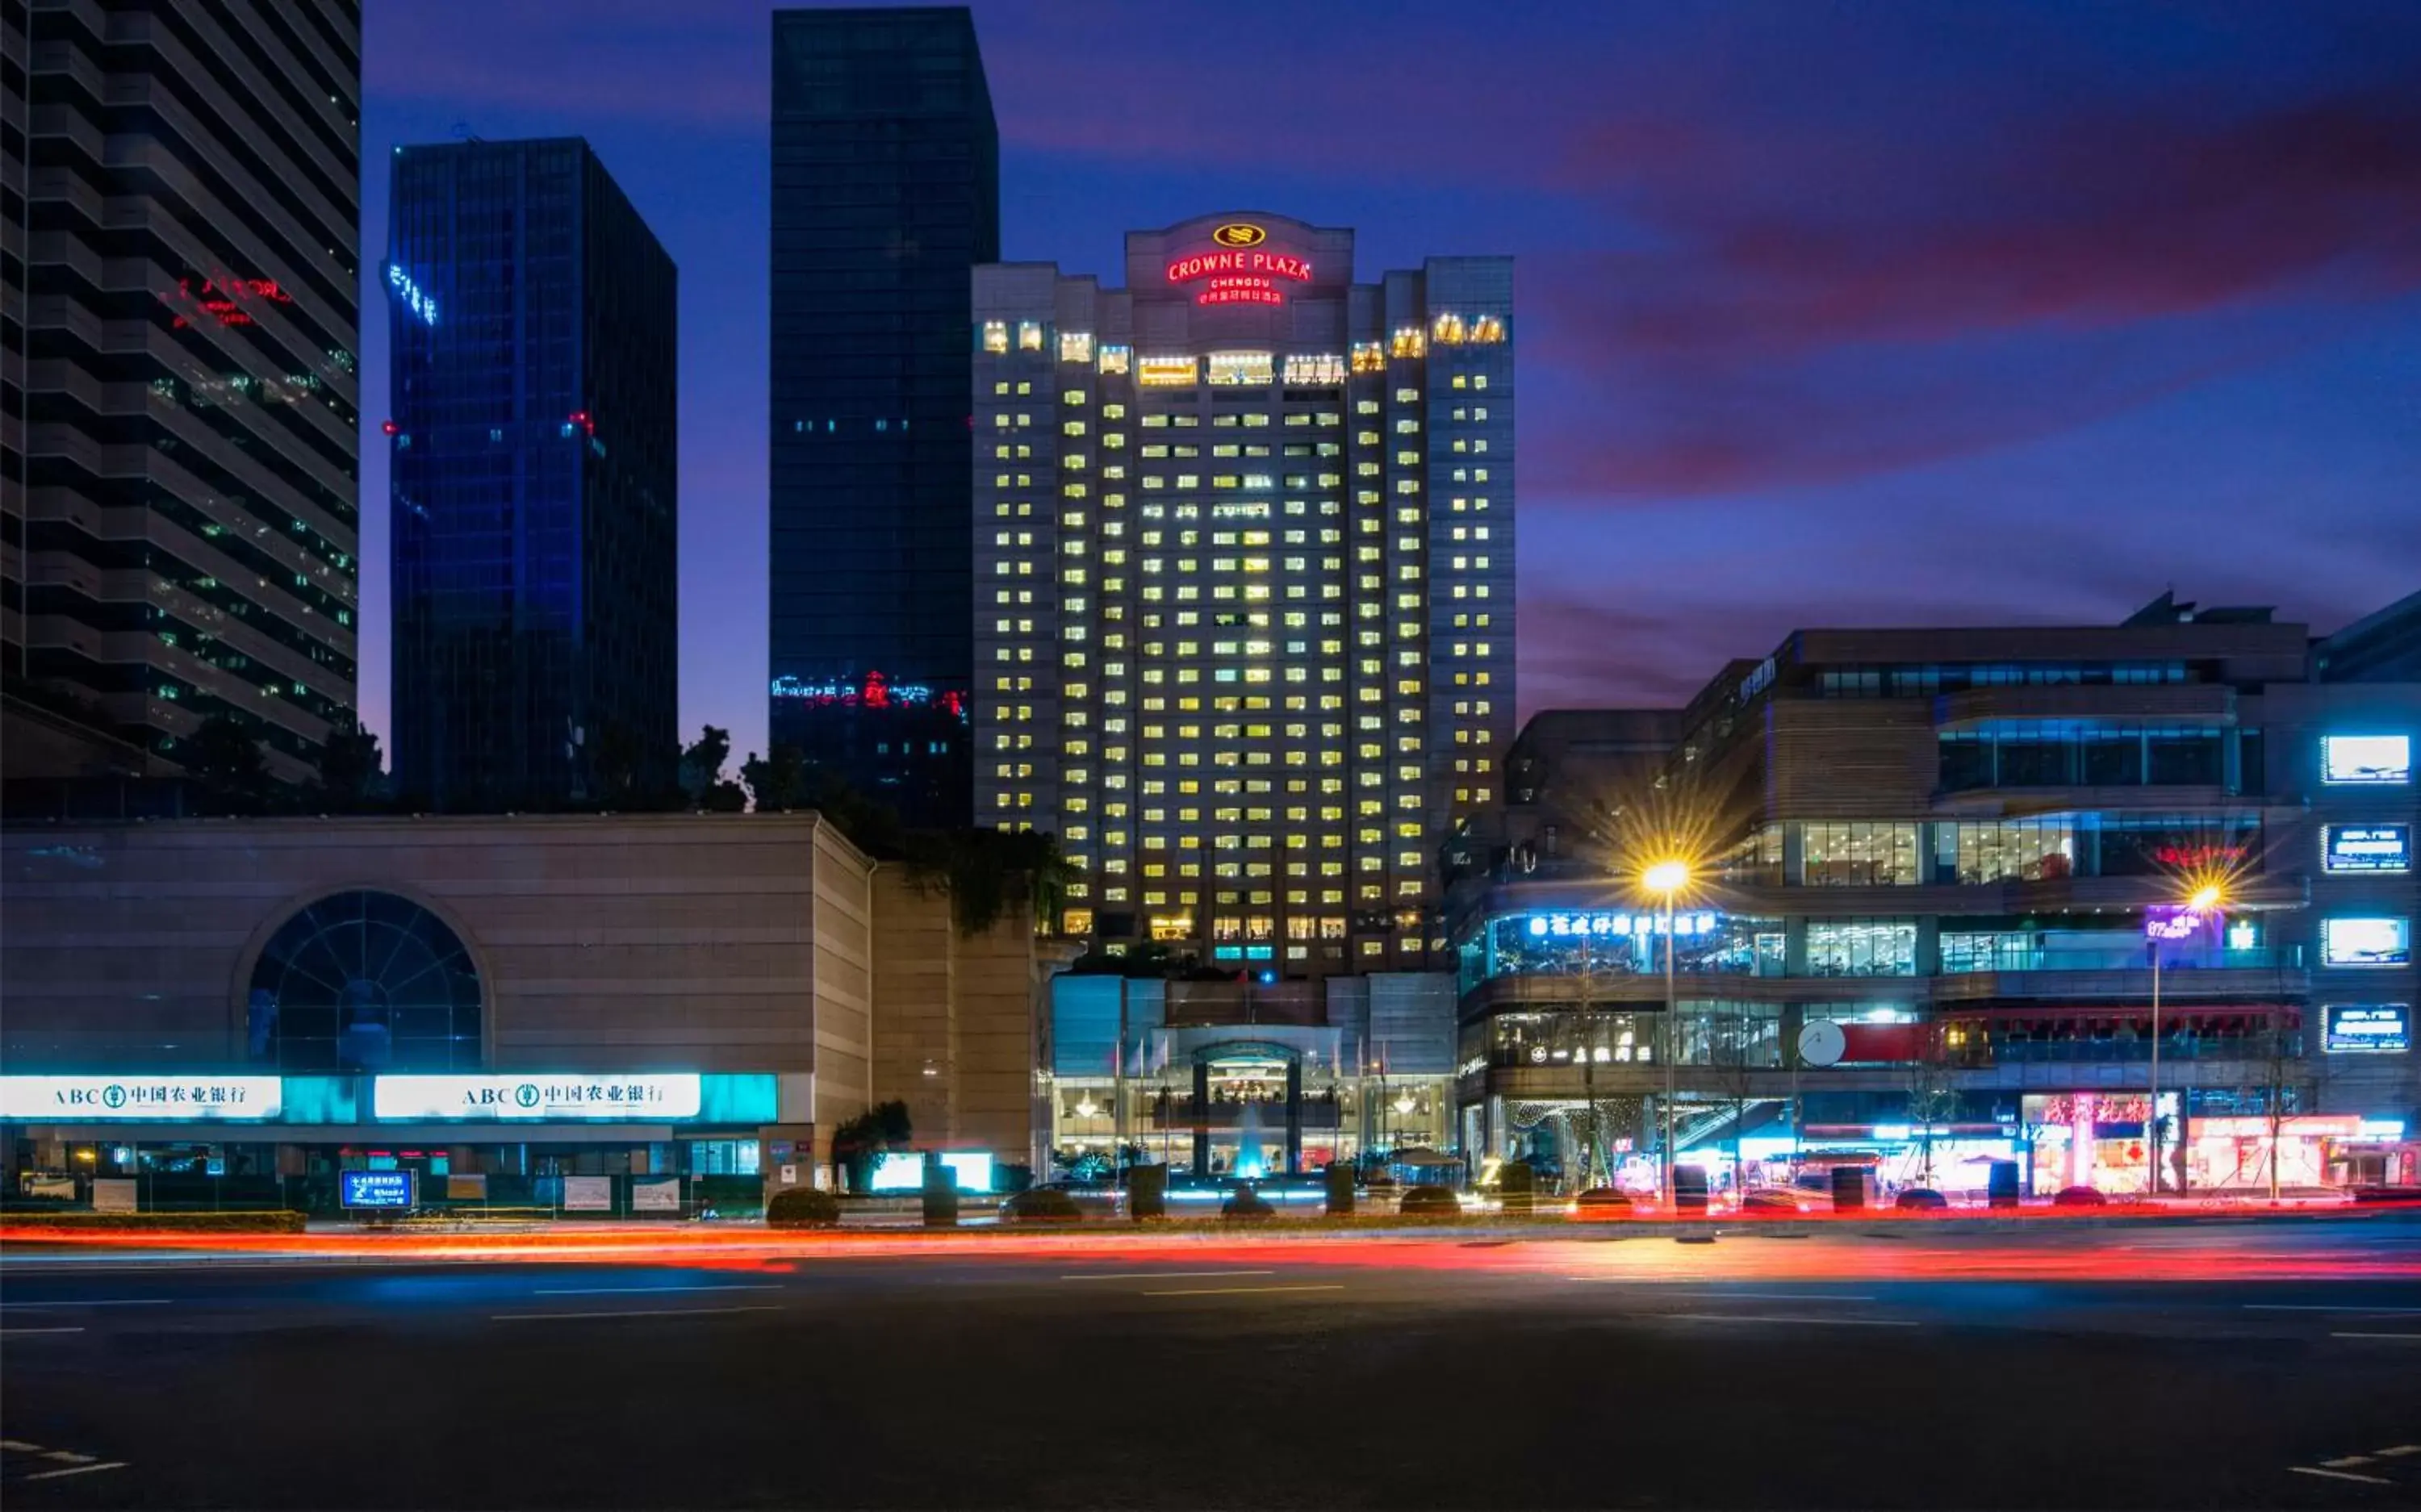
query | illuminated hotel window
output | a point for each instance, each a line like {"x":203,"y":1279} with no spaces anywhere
{"x":1447,"y":330}
{"x":1075,"y":346}
{"x":1408,"y":342}
{"x":1235,"y":367}
{"x":1486,"y":329}
{"x":995,"y":338}
{"x":1029,"y":335}
{"x":1323,"y":369}
{"x":1115,"y":359}
{"x":1166,"y":372}
{"x":1368,"y":357}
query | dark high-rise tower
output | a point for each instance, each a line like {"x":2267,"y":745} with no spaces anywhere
{"x":533,"y":481}
{"x":886,"y":194}
{"x":180,"y":213}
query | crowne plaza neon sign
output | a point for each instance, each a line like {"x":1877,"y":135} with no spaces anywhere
{"x":1240,"y":277}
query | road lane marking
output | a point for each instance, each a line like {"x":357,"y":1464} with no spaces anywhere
{"x":2395,"y":1450}
{"x":1774,"y":1318}
{"x":2350,"y":1460}
{"x":2315,"y":1307}
{"x":1237,"y":1292}
{"x":1160,"y":1275}
{"x":115,"y":1302}
{"x":639,"y":1312}
{"x":12,"y":1333}
{"x":2374,"y":1335}
{"x":19,"y":1446}
{"x":2340,"y":1474}
{"x":641,"y":1291}
{"x":79,"y":1470}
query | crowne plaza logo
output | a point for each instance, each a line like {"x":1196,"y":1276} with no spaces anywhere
{"x":1240,"y":234}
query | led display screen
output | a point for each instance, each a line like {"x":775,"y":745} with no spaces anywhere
{"x":2366,"y":848}
{"x":2367,"y":1028}
{"x":2366,"y":941}
{"x":374,"y":1189}
{"x":2365,"y":759}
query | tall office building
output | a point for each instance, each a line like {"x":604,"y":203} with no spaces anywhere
{"x":887,"y":192}
{"x":1244,"y":583}
{"x":178,"y":442}
{"x":533,"y":479}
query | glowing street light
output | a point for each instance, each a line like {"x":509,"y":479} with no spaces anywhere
{"x":1666,"y":879}
{"x":2179,"y":921}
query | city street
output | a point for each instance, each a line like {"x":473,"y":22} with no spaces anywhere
{"x":2224,"y":1366}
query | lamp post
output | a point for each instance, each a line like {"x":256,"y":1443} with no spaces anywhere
{"x":2180,"y":923}
{"x":1667,"y":879}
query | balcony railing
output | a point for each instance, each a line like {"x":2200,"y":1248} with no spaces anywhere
{"x":2116,"y":959}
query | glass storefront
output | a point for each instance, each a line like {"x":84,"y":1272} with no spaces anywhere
{"x":1615,"y":942}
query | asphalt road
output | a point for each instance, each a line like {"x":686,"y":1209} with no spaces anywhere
{"x":2094,"y":1368}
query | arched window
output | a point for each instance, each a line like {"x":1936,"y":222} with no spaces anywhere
{"x":365,"y":982}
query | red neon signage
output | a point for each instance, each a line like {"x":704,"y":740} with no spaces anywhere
{"x":224,"y":298}
{"x":1240,"y":277}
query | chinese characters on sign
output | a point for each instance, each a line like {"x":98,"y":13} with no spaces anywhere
{"x":100,"y":1097}
{"x":672,"y":1095}
{"x":876,"y":692}
{"x":422,"y":303}
{"x":223,"y":298}
{"x":1240,"y":277}
{"x":2370,"y":847}
{"x":2367,"y":1028}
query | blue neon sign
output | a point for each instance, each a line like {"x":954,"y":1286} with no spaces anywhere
{"x":412,"y":297}
{"x":2366,"y":848}
{"x":374,"y":1189}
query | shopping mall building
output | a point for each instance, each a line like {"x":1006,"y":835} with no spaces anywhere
{"x":1252,"y":1077}
{"x":1930,"y":869}
{"x":492,"y":1005}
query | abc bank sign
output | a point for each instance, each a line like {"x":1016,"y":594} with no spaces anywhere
{"x":646,"y":1097}
{"x":108,"y":1098}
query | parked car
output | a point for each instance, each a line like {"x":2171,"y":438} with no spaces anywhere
{"x":1603,"y":1201}
{"x":2079,"y":1197}
{"x":1778,"y":1200}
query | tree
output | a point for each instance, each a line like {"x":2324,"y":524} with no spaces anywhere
{"x":701,"y":773}
{"x":224,"y":757}
{"x":857,"y":1140}
{"x":987,"y":872}
{"x":777,"y":781}
{"x":350,"y":769}
{"x":1932,"y":1090}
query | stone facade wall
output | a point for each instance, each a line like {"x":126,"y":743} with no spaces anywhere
{"x":706,"y":943}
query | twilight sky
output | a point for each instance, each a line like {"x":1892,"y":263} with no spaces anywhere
{"x":1826,"y":314}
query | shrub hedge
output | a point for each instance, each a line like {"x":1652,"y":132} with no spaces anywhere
{"x":1429,"y":1202}
{"x":804,"y":1207}
{"x":227,"y":1223}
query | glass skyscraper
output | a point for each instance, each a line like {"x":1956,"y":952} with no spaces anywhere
{"x":886,"y":194}
{"x":533,"y":481}
{"x":1244,"y":537}
{"x":179,"y":218}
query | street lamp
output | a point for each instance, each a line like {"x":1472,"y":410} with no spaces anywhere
{"x":2181,"y":921}
{"x":1666,"y":879}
